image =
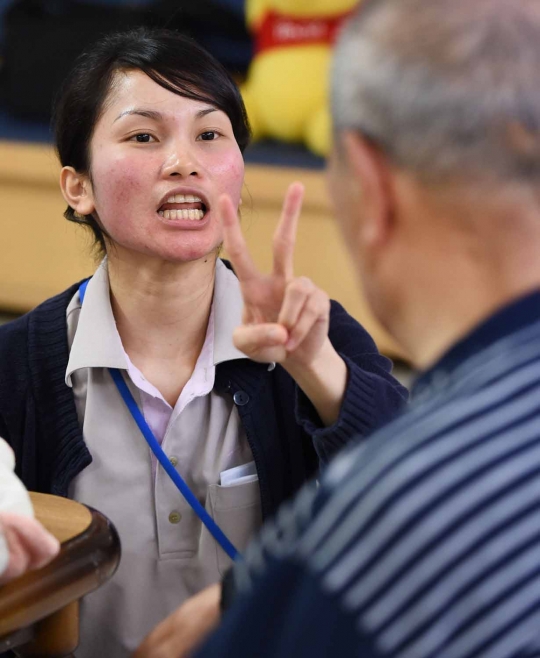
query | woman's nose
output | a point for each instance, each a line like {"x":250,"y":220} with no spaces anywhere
{"x":180,"y":162}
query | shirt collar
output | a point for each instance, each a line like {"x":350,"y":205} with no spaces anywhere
{"x":508,"y":320}
{"x":97,"y":343}
{"x":228,"y":306}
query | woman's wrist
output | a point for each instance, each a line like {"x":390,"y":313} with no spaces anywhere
{"x":323,"y":381}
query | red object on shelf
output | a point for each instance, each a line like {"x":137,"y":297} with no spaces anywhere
{"x":278,"y":30}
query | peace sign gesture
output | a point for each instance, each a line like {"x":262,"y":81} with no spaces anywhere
{"x":285,"y":318}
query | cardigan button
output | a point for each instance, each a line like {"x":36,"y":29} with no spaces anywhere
{"x":240,"y":398}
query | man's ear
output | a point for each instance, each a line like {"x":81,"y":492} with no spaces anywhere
{"x":77,"y":191}
{"x":372,"y":170}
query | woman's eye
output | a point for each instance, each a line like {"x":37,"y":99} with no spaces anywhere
{"x":143,"y":138}
{"x":208,"y":135}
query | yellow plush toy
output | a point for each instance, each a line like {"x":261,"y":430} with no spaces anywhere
{"x":286,"y":92}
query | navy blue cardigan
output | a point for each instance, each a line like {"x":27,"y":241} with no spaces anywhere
{"x":38,"y":416}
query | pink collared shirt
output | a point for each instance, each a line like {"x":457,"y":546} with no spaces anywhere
{"x":157,"y":412}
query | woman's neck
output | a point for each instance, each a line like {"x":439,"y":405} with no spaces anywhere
{"x":161,"y":308}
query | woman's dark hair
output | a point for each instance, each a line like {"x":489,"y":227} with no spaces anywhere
{"x":170,"y":59}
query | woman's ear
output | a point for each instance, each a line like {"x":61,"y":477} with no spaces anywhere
{"x":77,"y":191}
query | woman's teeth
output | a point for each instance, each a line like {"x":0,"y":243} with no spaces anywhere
{"x":193,"y":213}
{"x":184,"y":198}
{"x":182,"y":214}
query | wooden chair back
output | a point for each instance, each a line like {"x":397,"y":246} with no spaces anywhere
{"x":39,"y":613}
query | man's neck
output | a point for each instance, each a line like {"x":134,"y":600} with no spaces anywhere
{"x":462,"y":301}
{"x":465,"y":250}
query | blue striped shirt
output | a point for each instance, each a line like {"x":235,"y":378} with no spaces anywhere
{"x":424,"y":541}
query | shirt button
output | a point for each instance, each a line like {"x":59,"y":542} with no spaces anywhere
{"x":173,"y":460}
{"x":240,"y":398}
{"x":271,"y":366}
{"x":174,"y":517}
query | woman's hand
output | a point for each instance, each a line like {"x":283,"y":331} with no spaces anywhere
{"x":286,"y":318}
{"x":29,"y":545}
{"x":186,"y":628}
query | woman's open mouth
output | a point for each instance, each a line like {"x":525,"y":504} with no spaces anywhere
{"x":183,"y":206}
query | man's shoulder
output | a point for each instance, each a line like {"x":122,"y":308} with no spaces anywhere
{"x":409,"y":530}
{"x":457,"y":411}
{"x":422,"y":507}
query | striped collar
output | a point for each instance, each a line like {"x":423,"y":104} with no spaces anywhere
{"x":508,"y":320}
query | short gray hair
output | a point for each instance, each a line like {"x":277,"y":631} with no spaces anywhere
{"x":444,"y":87}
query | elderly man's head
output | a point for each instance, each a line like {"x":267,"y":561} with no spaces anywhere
{"x":436,"y":169}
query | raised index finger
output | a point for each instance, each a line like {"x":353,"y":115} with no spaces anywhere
{"x":233,"y":239}
{"x":285,"y":235}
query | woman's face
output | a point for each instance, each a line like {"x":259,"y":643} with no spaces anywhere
{"x":159,"y":163}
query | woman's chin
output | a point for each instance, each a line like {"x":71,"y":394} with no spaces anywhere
{"x":177,"y":253}
{"x":178,"y":248}
{"x":187,"y":246}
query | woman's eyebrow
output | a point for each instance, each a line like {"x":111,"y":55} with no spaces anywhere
{"x":158,"y":116}
{"x":205,"y":111}
{"x":148,"y":114}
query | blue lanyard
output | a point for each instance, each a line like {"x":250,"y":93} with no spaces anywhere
{"x":212,"y":527}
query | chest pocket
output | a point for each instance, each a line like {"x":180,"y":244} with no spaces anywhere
{"x":237,"y":511}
